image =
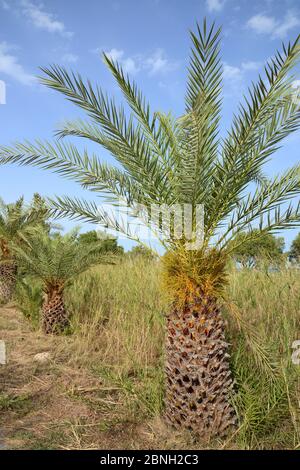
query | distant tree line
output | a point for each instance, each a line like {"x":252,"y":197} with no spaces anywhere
{"x":295,"y":249}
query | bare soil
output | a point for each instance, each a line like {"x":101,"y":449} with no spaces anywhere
{"x":57,"y":405}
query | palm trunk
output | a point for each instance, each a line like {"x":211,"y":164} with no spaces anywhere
{"x":8,"y":275}
{"x":55,"y":318}
{"x":199,"y":383}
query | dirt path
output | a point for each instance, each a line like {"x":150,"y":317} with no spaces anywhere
{"x":53,"y":405}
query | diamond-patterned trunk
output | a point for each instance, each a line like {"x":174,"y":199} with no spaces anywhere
{"x":55,"y":318}
{"x":198,"y":379}
{"x":8,"y":274}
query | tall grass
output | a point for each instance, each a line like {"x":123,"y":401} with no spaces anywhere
{"x":29,"y":297}
{"x":118,"y":324}
{"x":118,"y":332}
{"x":118,"y":310}
{"x":268,"y":384}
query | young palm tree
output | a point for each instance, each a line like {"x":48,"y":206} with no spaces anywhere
{"x":56,"y":261}
{"x":15,"y":221}
{"x":181,"y":161}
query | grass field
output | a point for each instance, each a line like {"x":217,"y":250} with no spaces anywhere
{"x":103,"y":384}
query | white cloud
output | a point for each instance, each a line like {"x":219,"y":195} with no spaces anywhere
{"x":10,"y":66}
{"x":114,"y":54}
{"x":129,"y":64}
{"x":159,"y":63}
{"x":156,"y":63}
{"x":42,"y":19}
{"x":235,"y":76}
{"x":233,"y":72}
{"x":291,"y":20}
{"x":69,"y":57}
{"x":215,"y":5}
{"x":251,"y":65}
{"x":230,"y":72}
{"x":263,"y":24}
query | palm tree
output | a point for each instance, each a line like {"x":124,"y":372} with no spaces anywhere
{"x":15,"y":222}
{"x":176,"y":161}
{"x":56,"y":261}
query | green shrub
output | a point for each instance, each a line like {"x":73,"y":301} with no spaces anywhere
{"x":29,"y":298}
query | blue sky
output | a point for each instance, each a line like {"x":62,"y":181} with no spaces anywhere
{"x":150,"y":38}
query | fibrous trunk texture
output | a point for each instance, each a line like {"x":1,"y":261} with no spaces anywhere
{"x":199,"y":383}
{"x":8,"y":274}
{"x":55,"y":318}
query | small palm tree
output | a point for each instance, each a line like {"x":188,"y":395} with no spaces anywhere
{"x":15,"y":222}
{"x":166,"y":161}
{"x":56,"y":261}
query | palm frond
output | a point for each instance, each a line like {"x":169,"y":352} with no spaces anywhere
{"x":199,"y":140}
{"x":267,"y":117}
{"x":127,"y":143}
{"x":267,"y":197}
{"x":16,"y":220}
{"x":161,"y":159}
{"x":86,"y":211}
{"x":273,"y":221}
{"x":66,"y":160}
{"x":58,"y":259}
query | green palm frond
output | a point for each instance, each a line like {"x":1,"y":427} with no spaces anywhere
{"x":88,"y":211}
{"x":59,"y":259}
{"x":267,"y":197}
{"x":16,"y":220}
{"x":120,"y":136}
{"x":199,"y":140}
{"x":264,"y":99}
{"x":135,"y":100}
{"x":66,"y":160}
{"x":267,"y":117}
{"x":273,"y":221}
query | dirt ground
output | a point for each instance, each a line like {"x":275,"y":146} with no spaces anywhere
{"x":53,"y":405}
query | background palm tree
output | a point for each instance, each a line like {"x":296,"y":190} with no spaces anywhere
{"x":15,"y":222}
{"x":181,"y":161}
{"x":56,"y":262}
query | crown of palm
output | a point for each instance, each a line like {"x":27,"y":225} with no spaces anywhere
{"x":60,"y":258}
{"x":16,"y":220}
{"x":164,"y":160}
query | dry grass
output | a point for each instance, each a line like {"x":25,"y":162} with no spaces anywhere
{"x":121,"y":315}
{"x":103,"y":387}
